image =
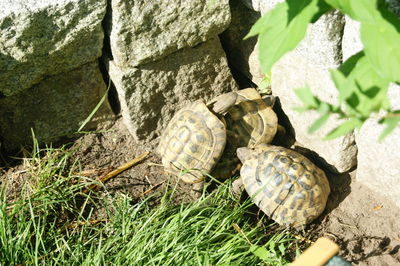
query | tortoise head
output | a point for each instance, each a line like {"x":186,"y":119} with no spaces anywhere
{"x":244,"y":153}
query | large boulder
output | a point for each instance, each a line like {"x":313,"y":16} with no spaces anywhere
{"x":53,"y":108}
{"x":143,"y":31}
{"x":309,"y":64}
{"x":151,"y":93}
{"x":43,"y":38}
{"x":378,"y":162}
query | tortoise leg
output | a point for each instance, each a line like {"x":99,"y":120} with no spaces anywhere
{"x":237,"y":188}
{"x":197,"y":190}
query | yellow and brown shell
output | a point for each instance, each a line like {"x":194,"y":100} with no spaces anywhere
{"x":284,"y":184}
{"x":250,"y":120}
{"x":193,"y":142}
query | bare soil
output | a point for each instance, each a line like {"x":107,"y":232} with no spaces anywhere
{"x":365,"y":225}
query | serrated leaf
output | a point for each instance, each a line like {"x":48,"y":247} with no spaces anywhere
{"x":282,"y":28}
{"x":260,"y":252}
{"x":391,"y":124}
{"x":306,"y":96}
{"x":344,"y":128}
{"x":318,"y":123}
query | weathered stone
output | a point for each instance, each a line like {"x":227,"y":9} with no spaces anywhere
{"x":53,"y":108}
{"x":308,"y":64}
{"x":261,"y":5}
{"x":152,"y":93}
{"x":48,"y":37}
{"x":378,"y":162}
{"x":143,"y":31}
{"x":351,"y":43}
{"x":242,"y":54}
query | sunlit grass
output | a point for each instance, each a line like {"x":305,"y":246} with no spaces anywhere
{"x":51,"y":222}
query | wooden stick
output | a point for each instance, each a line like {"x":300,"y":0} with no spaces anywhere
{"x":151,"y":189}
{"x":115,"y":172}
{"x":318,"y":253}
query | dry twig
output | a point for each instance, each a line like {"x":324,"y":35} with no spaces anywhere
{"x":115,"y":172}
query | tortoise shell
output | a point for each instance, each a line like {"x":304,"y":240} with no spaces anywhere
{"x":193,"y":142}
{"x":251,"y":121}
{"x":284,"y":184}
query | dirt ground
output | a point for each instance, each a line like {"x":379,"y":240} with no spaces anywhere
{"x":365,"y":225}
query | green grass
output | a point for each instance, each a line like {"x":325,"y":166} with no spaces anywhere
{"x":50,"y":223}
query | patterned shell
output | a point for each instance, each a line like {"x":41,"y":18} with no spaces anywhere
{"x":284,"y":184}
{"x":251,"y":120}
{"x":193,"y":140}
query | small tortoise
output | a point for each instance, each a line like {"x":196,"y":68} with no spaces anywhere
{"x":284,"y":184}
{"x":193,"y":141}
{"x":249,"y":121}
{"x":195,"y":138}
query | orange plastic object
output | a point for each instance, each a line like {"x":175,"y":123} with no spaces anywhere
{"x":318,"y":253}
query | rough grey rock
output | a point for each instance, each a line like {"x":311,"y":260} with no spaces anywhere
{"x":261,"y":5}
{"x":43,"y":38}
{"x":151,"y":93}
{"x":53,"y":108}
{"x":308,"y":64}
{"x":142,"y":31}
{"x":351,"y":43}
{"x":378,"y":162}
{"x":242,"y":54}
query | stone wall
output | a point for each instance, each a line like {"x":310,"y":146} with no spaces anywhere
{"x":159,"y":56}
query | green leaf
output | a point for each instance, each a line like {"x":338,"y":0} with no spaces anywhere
{"x":260,"y":252}
{"x":342,"y":5}
{"x":344,"y":128}
{"x":391,"y":123}
{"x":381,"y":44}
{"x":282,"y":28}
{"x":282,"y":248}
{"x":301,"y":109}
{"x":97,"y":107}
{"x":306,"y":96}
{"x":323,"y":7}
{"x":360,"y":86}
{"x":265,"y":84}
{"x":318,"y":123}
{"x":263,"y":24}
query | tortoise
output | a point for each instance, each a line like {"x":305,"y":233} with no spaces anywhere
{"x":195,"y":138}
{"x":284,"y":184}
{"x":249,"y":121}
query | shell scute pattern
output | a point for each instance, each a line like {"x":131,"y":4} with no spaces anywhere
{"x":251,"y":119}
{"x":284,"y":184}
{"x":193,"y":140}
